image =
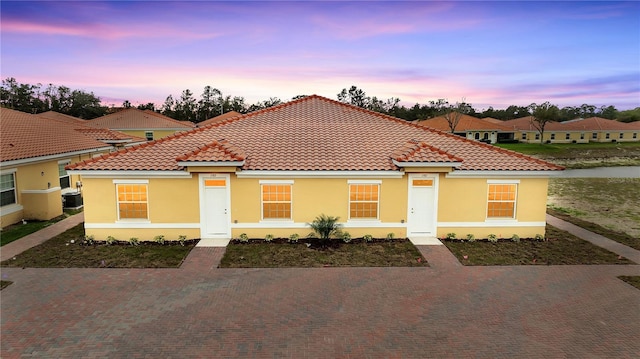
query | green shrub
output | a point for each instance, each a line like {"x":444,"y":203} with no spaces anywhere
{"x":540,"y":238}
{"x":243,"y":238}
{"x":515,"y":238}
{"x":134,"y":241}
{"x":294,"y":238}
{"x":471,"y":237}
{"x":159,"y":239}
{"x":182,"y":238}
{"x":90,"y":240}
{"x":390,"y":236}
{"x":325,"y":227}
{"x":346,"y":237}
{"x":268,"y":238}
{"x":111,"y":240}
{"x":492,"y":238}
{"x":451,"y":236}
{"x":367,"y":238}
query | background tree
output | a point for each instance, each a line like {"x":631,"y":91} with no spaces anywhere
{"x":629,"y":115}
{"x":543,"y":114}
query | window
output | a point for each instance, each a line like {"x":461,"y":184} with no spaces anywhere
{"x":363,"y":200}
{"x":7,"y":189}
{"x":635,"y":135}
{"x":149,"y":135}
{"x":485,"y":136}
{"x":537,"y":136}
{"x":501,"y":200}
{"x":582,"y":135}
{"x":524,"y":135}
{"x":132,"y":201}
{"x":65,"y":181}
{"x":276,"y":200}
{"x":477,"y":136}
{"x":567,"y":136}
{"x":606,"y":135}
{"x":594,"y":135}
{"x":553,"y":136}
{"x":621,"y":135}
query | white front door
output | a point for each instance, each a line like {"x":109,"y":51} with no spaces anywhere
{"x":214,"y":207}
{"x":421,"y":220}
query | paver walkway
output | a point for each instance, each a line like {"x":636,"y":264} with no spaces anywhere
{"x":16,"y":247}
{"x":598,"y":240}
{"x":443,"y":311}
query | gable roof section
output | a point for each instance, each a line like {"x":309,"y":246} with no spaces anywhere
{"x":25,"y":136}
{"x":466,"y":123}
{"x":219,"y":118}
{"x":132,"y":118}
{"x":316,"y":133}
{"x":217,"y":151}
{"x":597,"y":123}
{"x":418,"y":152}
{"x":62,"y":117}
{"x":525,"y":124}
{"x":109,"y":136}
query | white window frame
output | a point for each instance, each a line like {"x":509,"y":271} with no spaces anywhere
{"x":594,"y":135}
{"x":553,"y":136}
{"x":148,"y":135}
{"x":515,"y":201}
{"x":607,"y":136}
{"x":567,"y":136}
{"x":129,"y":220}
{"x":278,"y":183}
{"x":14,"y":188}
{"x":621,"y":135}
{"x":368,"y":182}
{"x":63,"y":163}
{"x":524,"y":135}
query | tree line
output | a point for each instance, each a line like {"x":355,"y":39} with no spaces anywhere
{"x":212,"y":102}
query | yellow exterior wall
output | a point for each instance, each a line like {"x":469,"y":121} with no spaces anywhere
{"x":11,"y":218}
{"x":42,"y":205}
{"x":157,"y":134}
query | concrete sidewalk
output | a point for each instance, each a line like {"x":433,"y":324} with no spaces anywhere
{"x":16,"y":247}
{"x":598,"y":240}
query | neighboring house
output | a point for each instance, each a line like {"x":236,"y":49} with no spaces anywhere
{"x":603,"y":130}
{"x":225,"y":116}
{"x":33,"y":154}
{"x":274,"y":170}
{"x":145,"y":124}
{"x":62,"y":117}
{"x":473,"y":128}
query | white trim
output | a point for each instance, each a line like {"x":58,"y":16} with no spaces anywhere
{"x":69,"y":190}
{"x":66,"y":161}
{"x":364,"y":181}
{"x":52,"y":157}
{"x":492,"y":223}
{"x":133,"y":221}
{"x":503,"y":181}
{"x":426,"y":164}
{"x":130,"y":181}
{"x":493,"y":174}
{"x":8,"y":171}
{"x":141,"y":225}
{"x":211,"y":164}
{"x":40,"y":191}
{"x":515,"y":201}
{"x":300,"y":225}
{"x":131,"y":174}
{"x":322,"y":174}
{"x":275,"y":182}
{"x":10,"y":208}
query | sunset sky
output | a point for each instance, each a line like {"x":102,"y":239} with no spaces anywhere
{"x":490,"y":53}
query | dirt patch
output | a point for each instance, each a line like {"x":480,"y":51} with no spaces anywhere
{"x":610,"y":202}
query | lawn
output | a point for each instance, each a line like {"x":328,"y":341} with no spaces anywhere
{"x":561,"y":248}
{"x":59,"y":252}
{"x":632,"y":280}
{"x":582,"y":155}
{"x":19,"y":230}
{"x":612,"y":203}
{"x":380,"y":253}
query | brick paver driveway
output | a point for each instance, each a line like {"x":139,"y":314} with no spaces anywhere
{"x":200,"y":311}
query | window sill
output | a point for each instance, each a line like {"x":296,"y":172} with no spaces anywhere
{"x":11,"y":208}
{"x":133,"y":221}
{"x":268,"y":220}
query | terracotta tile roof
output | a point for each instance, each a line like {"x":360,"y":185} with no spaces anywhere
{"x":466,"y":123}
{"x":634,"y":125}
{"x":524,"y":124}
{"x":219,"y":118}
{"x":26,"y":136}
{"x":108,"y":136}
{"x":420,"y":151}
{"x":315,"y":133}
{"x":596,"y":123}
{"x":492,"y":120}
{"x":62,"y":117}
{"x":132,"y":118}
{"x":217,"y":151}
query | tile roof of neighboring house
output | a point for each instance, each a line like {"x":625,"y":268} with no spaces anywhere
{"x":219,"y":118}
{"x":62,"y":117}
{"x":597,"y":123}
{"x":492,"y":120}
{"x":26,"y":136}
{"x":634,"y":125}
{"x":132,"y":118}
{"x":314,"y":133}
{"x":466,"y":123}
{"x":109,"y":136}
{"x":524,"y":124}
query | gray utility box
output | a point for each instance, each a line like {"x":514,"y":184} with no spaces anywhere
{"x":72,"y":200}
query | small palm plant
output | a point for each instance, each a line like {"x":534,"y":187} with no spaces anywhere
{"x":325,"y":227}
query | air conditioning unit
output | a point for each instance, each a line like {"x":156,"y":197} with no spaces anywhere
{"x":72,"y":200}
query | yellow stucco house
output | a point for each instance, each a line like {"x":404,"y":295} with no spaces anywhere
{"x":274,"y":170}
{"x":34,"y":151}
{"x":473,"y":128}
{"x":146,"y":124}
{"x":592,"y":129}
